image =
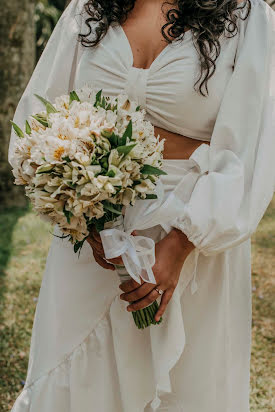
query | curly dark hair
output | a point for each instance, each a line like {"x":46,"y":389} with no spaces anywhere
{"x":208,"y":20}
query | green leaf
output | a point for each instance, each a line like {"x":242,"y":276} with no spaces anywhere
{"x":47,"y":104}
{"x":71,"y":185}
{"x":113,"y":140}
{"x":17,"y":130}
{"x":74,"y":96}
{"x":104,"y":162}
{"x":98,"y":98}
{"x":114,"y":108}
{"x":67,"y":214}
{"x":78,"y":245}
{"x":151,"y":196}
{"x":110,"y":173}
{"x":44,"y":169}
{"x":108,"y":206}
{"x":94,"y":161}
{"x":125,"y":149}
{"x":151,"y":170}
{"x":99,"y":224}
{"x":28,"y":128}
{"x":138,"y":109}
{"x":66,"y":159}
{"x":41,"y":120}
{"x":50,"y":109}
{"x":128,"y":133}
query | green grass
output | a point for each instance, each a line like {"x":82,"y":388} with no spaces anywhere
{"x":263,"y":282}
{"x":24,"y":242}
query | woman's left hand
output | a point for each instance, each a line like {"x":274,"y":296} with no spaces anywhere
{"x":171,"y":253}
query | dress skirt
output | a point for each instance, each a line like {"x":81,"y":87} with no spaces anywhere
{"x":87,"y":355}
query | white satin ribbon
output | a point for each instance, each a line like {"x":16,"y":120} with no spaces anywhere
{"x":137,"y":253}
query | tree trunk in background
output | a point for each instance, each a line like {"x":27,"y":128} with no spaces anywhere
{"x":17,"y":59}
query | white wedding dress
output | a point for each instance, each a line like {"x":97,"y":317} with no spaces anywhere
{"x":86,"y":353}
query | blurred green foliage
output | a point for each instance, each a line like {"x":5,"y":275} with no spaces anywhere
{"x":47,"y":13}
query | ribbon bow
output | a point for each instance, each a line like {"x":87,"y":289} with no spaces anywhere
{"x":137,"y":253}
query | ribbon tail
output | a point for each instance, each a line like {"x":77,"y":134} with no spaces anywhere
{"x":128,"y":267}
{"x":148,"y":268}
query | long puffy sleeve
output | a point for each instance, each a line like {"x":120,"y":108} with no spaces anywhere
{"x":231,"y":196}
{"x":54,"y":73}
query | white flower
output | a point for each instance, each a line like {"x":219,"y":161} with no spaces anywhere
{"x":128,"y":196}
{"x":137,"y":152}
{"x":93,"y":170}
{"x":87,"y":93}
{"x":100,"y":181}
{"x":109,"y":188}
{"x":82,"y":158}
{"x":115,"y":158}
{"x":95,"y":210}
{"x":62,"y":103}
{"x":89,"y":190}
{"x":145,"y":186}
{"x":77,"y":228}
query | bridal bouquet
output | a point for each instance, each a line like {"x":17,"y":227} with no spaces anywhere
{"x":85,"y":158}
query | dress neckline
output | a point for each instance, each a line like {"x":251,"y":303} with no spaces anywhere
{"x":187,"y":34}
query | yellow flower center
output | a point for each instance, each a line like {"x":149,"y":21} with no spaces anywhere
{"x":90,"y":146}
{"x":76,"y":123}
{"x":62,"y":137}
{"x":126,"y":105}
{"x":59,"y":152}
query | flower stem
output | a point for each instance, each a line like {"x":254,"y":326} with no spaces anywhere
{"x":146,"y":317}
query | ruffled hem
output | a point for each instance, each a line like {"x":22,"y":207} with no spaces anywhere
{"x":100,"y":373}
{"x":62,"y":388}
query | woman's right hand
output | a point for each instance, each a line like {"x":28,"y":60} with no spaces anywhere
{"x":94,"y":241}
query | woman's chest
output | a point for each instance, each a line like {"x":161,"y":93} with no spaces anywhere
{"x":166,"y":89}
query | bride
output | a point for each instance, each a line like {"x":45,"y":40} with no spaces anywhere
{"x":204,"y":72}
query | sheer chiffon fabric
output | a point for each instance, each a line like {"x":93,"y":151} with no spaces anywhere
{"x":86,"y":353}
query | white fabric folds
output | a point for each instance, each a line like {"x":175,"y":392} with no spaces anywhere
{"x":86,"y":353}
{"x":228,"y":202}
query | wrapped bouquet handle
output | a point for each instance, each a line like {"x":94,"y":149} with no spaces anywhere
{"x":137,"y":253}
